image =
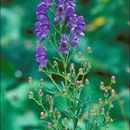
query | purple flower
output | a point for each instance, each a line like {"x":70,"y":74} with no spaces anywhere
{"x":74,"y":41}
{"x":70,"y":11}
{"x":77,"y":24}
{"x":41,"y":56}
{"x":42,"y":30}
{"x":60,"y":12}
{"x":42,"y":8}
{"x":70,"y":8}
{"x":63,"y":47}
{"x":48,"y":2}
{"x":42,"y":27}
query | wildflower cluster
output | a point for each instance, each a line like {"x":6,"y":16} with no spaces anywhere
{"x":65,"y":19}
{"x":73,"y":79}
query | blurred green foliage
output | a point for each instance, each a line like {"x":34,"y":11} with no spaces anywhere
{"x":108,"y":35}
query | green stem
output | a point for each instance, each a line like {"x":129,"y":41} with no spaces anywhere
{"x":54,"y":82}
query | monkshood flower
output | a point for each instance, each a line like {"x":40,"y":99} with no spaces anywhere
{"x":41,"y":9}
{"x":74,"y":41}
{"x":42,"y":27}
{"x":48,"y":2}
{"x":77,"y":24}
{"x":60,"y":11}
{"x":41,"y":56}
{"x":63,"y":47}
{"x":42,"y":30}
{"x":70,"y":9}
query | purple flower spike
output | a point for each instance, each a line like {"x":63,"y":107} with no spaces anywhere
{"x":63,"y":47}
{"x":60,"y":11}
{"x":41,"y":56}
{"x":42,"y":30}
{"x":75,"y":41}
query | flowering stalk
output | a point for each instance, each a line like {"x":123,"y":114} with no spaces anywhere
{"x":68,"y":27}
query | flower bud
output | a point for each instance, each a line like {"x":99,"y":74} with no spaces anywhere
{"x":49,"y":125}
{"x":41,"y":81}
{"x":101,"y":84}
{"x":68,"y":76}
{"x":113,"y":79}
{"x":86,"y":81}
{"x":106,"y":93}
{"x":89,"y":50}
{"x":81,"y":71}
{"x":111,"y":120}
{"x":113,"y":92}
{"x":30,"y":80}
{"x":79,"y":54}
{"x":42,"y":115}
{"x":72,"y":66}
{"x":37,"y":43}
{"x":110,"y":104}
{"x":50,"y":110}
{"x":30,"y":95}
{"x":84,"y":62}
{"x":102,"y":111}
{"x":79,"y":83}
{"x":89,"y":66}
{"x":64,"y":92}
{"x":40,"y":93}
{"x":50,"y":97}
{"x":55,"y":63}
{"x":47,"y":97}
{"x":100,"y":101}
{"x":55,"y":110}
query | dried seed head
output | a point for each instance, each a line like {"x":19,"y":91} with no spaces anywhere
{"x":113,"y":79}
{"x":106,"y":93}
{"x":40,"y":93}
{"x":89,"y":50}
{"x":30,"y":95}
{"x":30,"y":80}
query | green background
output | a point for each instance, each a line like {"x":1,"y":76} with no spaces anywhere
{"x":108,"y":35}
